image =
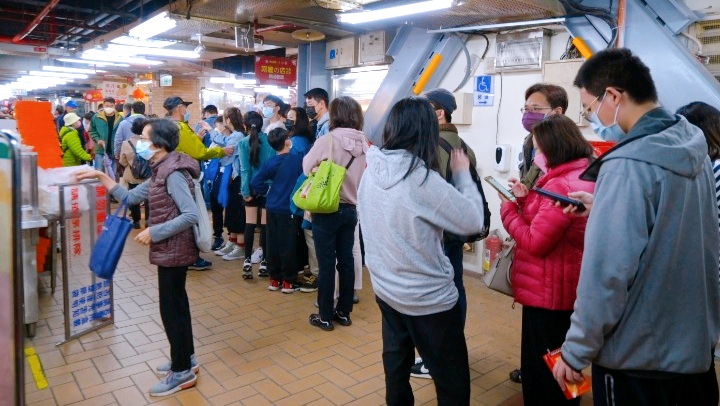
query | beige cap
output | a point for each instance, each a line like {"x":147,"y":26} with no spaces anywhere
{"x":70,"y":119}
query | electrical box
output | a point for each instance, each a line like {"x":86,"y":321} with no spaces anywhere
{"x":562,"y":73}
{"x":341,"y":53}
{"x":372,"y":48}
{"x":524,"y":50}
{"x":463,"y":112}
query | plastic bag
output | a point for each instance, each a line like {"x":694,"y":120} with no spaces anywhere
{"x":49,"y":193}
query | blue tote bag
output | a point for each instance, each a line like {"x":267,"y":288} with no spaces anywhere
{"x":109,"y":245}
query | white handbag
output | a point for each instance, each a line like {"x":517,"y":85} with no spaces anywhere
{"x":202,"y":229}
{"x":498,"y":277}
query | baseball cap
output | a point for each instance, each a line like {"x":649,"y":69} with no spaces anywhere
{"x":174,"y":101}
{"x":72,"y":104}
{"x":443,"y":98}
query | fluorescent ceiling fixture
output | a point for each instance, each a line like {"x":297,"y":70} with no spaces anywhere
{"x":58,"y":74}
{"x":154,"y":26}
{"x":97,"y":55}
{"x":130,"y":50}
{"x":221,"y":79}
{"x":95,"y":63}
{"x":125,"y":40}
{"x":143,"y":82}
{"x":71,"y":70}
{"x":394,"y":11}
{"x":42,"y":79}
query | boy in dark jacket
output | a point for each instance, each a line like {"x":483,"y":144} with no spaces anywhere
{"x":282,"y":170}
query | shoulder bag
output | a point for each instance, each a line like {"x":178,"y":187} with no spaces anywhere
{"x":498,"y":277}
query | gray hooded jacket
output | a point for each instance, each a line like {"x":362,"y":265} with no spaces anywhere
{"x":648,"y":299}
{"x":402,"y":224}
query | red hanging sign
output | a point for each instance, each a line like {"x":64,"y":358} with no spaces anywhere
{"x":272,"y":70}
{"x":94,"y":95}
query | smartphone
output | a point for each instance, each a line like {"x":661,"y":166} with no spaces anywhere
{"x":564,"y":200}
{"x":500,"y":188}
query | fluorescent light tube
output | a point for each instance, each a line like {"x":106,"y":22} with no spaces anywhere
{"x":220,"y":79}
{"x":394,"y":11}
{"x":144,"y":82}
{"x":58,"y":74}
{"x":172,"y":53}
{"x":110,"y":57}
{"x":71,"y":70}
{"x":126,"y":40}
{"x":154,"y":26}
{"x":95,"y":63}
{"x":42,"y":79}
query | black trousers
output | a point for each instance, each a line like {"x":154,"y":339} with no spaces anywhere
{"x":135,"y":209}
{"x":175,"y":315}
{"x":440,"y":340}
{"x":542,"y":330}
{"x":301,"y":249}
{"x":235,"y":210}
{"x":617,"y":387}
{"x":281,"y":246}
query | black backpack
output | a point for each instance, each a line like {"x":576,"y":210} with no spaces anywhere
{"x":476,"y":178}
{"x":140,"y":167}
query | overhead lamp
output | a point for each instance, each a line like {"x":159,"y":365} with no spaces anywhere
{"x":143,"y":82}
{"x":97,"y":55}
{"x":394,"y":11}
{"x":222,"y":79}
{"x":71,"y":70}
{"x":42,"y":79}
{"x":95,"y":63}
{"x":154,"y":26}
{"x":57,"y":74}
{"x":131,"y":51}
{"x":135,"y":42}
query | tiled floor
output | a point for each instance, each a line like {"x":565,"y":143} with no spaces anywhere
{"x":255,"y":346}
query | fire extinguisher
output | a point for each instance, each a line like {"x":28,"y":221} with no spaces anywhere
{"x":493,"y":246}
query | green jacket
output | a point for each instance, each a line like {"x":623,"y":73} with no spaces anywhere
{"x":73,"y":152}
{"x":99,"y":132}
{"x":191,"y":145}
{"x":449,"y":133}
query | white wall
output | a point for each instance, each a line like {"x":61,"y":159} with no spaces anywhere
{"x":499,"y":124}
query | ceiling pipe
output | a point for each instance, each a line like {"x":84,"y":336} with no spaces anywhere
{"x":10,"y":17}
{"x":34,"y":23}
{"x":277,"y":28}
{"x":31,"y":42}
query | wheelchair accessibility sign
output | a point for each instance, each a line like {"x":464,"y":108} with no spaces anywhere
{"x":484,"y":94}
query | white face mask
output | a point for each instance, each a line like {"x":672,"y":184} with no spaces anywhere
{"x":109,"y":110}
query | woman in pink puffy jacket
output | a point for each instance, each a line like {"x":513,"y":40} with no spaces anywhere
{"x":549,"y":249}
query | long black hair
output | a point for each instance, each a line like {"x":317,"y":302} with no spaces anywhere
{"x":413,"y":126}
{"x":253,"y":123}
{"x":707,"y":118}
{"x":302,"y":125}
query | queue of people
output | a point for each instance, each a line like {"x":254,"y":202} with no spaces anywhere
{"x":630,"y":286}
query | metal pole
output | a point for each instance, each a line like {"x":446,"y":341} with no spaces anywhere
{"x":558,"y":20}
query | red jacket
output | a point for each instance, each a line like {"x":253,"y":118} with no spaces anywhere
{"x":549,"y":247}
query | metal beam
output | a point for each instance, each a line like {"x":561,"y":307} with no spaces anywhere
{"x":65,"y":7}
{"x":487,"y":27}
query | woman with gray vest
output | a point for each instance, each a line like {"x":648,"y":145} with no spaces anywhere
{"x":173,"y":212}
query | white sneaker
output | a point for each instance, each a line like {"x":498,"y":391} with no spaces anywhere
{"x":227,"y":248}
{"x":236,"y":253}
{"x":257,"y":255}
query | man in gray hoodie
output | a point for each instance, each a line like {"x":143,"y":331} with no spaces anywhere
{"x":647,"y":314}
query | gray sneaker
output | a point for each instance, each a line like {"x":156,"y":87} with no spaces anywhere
{"x":174,"y":382}
{"x":165,"y":368}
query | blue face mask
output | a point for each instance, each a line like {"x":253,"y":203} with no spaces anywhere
{"x":612,"y":132}
{"x":142,"y":149}
{"x":186,"y":117}
{"x":268,"y":111}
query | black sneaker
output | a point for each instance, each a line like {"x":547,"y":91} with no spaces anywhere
{"x":200,"y":265}
{"x":136,"y":225}
{"x":262,"y":270}
{"x":316,"y":321}
{"x":516,"y":376}
{"x":341,"y":318}
{"x":310,"y":285}
{"x":217,"y":244}
{"x":419,"y":371}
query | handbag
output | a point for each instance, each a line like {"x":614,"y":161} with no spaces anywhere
{"x":498,"y":277}
{"x":110,"y":243}
{"x":320,"y":192}
{"x":202,"y":229}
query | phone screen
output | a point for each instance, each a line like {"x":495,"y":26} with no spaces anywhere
{"x":500,"y":188}
{"x":564,"y":200}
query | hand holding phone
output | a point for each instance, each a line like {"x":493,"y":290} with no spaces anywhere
{"x":563,"y":200}
{"x":500,"y":188}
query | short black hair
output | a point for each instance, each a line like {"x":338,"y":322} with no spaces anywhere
{"x":210,"y":108}
{"x":109,"y":99}
{"x":555,"y":95}
{"x":617,"y":68}
{"x":127,"y":106}
{"x":277,"y":138}
{"x":318,"y":94}
{"x":138,"y":107}
{"x":448,"y":116}
{"x":164,"y":133}
{"x":89,"y":115}
{"x":137,"y":126}
{"x":60,"y":109}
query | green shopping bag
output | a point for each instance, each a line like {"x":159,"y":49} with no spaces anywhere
{"x":320,"y":192}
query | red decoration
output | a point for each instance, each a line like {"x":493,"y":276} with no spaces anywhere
{"x":272,"y":70}
{"x":94,"y":95}
{"x":138,"y":94}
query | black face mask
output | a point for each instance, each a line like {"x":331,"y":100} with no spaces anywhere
{"x":289,"y":124}
{"x":310,"y":110}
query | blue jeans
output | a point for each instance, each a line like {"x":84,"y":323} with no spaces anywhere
{"x":454,"y":252}
{"x":334,"y":236}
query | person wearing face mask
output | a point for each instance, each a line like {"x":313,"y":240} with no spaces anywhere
{"x":173,"y":213}
{"x":316,"y":102}
{"x":89,"y":143}
{"x":124,"y":130}
{"x":647,"y":313}
{"x":71,"y":142}
{"x":126,"y":159}
{"x":273,"y":110}
{"x":298,"y":125}
{"x":103,"y":128}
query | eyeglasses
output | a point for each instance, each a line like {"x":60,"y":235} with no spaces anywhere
{"x":533,"y":109}
{"x":586,"y":111}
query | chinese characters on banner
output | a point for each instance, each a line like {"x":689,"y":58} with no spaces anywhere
{"x":272,"y":70}
{"x":100,"y":203}
{"x":90,"y":303}
{"x":116,"y":90}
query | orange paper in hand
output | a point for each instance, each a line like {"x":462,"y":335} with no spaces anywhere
{"x":572,"y":390}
